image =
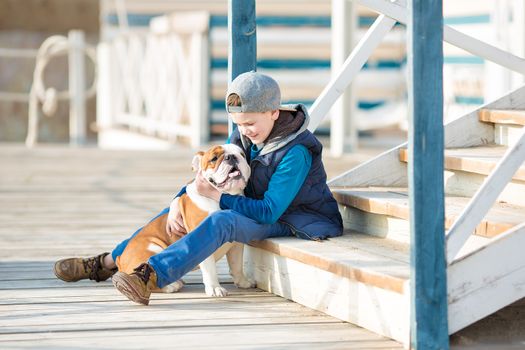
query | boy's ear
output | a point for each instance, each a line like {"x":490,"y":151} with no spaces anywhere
{"x":275,"y":114}
{"x":196,"y":162}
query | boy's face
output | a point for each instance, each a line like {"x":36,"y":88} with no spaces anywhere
{"x":255,"y":126}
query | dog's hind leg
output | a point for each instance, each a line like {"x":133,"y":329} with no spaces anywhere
{"x":173,"y":287}
{"x":210,"y":280}
{"x":235,"y":261}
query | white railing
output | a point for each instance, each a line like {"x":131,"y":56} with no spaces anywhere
{"x":157,"y":83}
{"x":392,"y":11}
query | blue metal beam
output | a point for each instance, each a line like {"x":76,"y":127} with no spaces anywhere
{"x":242,"y":50}
{"x":429,"y":306}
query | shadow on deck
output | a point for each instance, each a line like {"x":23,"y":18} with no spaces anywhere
{"x":58,"y":201}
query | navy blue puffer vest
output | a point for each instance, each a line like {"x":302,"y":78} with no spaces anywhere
{"x":313,"y":214}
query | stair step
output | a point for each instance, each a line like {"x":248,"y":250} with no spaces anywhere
{"x":394,"y":202}
{"x":356,"y":277}
{"x":514,"y":117}
{"x":479,"y":160}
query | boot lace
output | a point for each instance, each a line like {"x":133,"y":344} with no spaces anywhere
{"x":92,"y":266}
{"x":143,"y":272}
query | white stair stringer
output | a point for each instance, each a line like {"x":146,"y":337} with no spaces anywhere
{"x":487,"y":279}
{"x":467,"y":131}
{"x":356,"y":278}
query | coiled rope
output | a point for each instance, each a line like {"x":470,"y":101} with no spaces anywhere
{"x":53,"y":46}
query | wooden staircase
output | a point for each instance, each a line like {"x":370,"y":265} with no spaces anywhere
{"x":363,"y":276}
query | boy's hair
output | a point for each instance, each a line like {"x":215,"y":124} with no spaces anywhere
{"x":284,"y":125}
{"x":233,"y":100}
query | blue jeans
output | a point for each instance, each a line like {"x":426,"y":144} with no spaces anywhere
{"x":218,"y":228}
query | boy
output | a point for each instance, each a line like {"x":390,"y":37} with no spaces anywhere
{"x":286,"y":195}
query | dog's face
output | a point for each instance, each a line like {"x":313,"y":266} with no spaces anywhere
{"x":225,"y":167}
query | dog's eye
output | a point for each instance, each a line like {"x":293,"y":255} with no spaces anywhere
{"x":214,"y":159}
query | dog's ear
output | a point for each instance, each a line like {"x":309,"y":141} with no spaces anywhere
{"x":196,"y":162}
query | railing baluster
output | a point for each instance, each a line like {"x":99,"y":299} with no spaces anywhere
{"x":351,"y":67}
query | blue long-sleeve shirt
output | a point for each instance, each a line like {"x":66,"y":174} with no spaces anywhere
{"x":282,"y":189}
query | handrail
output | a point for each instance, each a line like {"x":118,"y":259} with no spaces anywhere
{"x":349,"y":70}
{"x":484,"y":198}
{"x":396,"y":10}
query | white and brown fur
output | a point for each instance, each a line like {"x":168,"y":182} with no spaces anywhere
{"x":225,"y":167}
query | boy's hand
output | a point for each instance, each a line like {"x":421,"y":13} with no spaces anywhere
{"x":205,"y":188}
{"x":174,"y":222}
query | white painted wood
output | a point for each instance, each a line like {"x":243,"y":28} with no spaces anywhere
{"x":343,"y":130}
{"x":77,"y":83}
{"x":105,"y":107}
{"x":351,"y":67}
{"x":397,"y":11}
{"x":497,"y":75}
{"x":517,"y":41}
{"x":487,"y":279}
{"x":385,"y":170}
{"x":485,"y":197}
{"x":161,"y":80}
{"x":506,"y":135}
{"x":200,"y":107}
{"x":382,"y":311}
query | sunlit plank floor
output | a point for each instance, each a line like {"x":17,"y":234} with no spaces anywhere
{"x":57,"y":202}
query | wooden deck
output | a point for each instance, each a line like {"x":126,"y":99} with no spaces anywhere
{"x":58,"y":202}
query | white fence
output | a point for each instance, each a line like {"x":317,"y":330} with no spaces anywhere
{"x":157,"y":83}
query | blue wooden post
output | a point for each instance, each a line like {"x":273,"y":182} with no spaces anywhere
{"x":242,"y":51}
{"x":429,"y":306}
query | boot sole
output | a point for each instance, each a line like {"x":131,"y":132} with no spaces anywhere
{"x":121,"y":283}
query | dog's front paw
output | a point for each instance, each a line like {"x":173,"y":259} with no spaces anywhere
{"x":245,"y":283}
{"x":216,"y":291}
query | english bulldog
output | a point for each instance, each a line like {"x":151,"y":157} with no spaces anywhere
{"x":226,"y":168}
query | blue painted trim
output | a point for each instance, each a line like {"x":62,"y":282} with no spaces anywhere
{"x":142,"y":20}
{"x":469,"y":100}
{"x":218,"y":105}
{"x":463,"y":60}
{"x":222,"y":63}
{"x":242,"y":35}
{"x":428,"y":275}
{"x":459,"y":20}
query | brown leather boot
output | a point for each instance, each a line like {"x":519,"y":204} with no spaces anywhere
{"x":76,"y":269}
{"x":138,"y":285}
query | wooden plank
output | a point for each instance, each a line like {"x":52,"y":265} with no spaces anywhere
{"x":508,"y":116}
{"x":428,"y":282}
{"x":480,"y":160}
{"x":44,"y":220}
{"x":342,"y":257}
{"x":485,"y":196}
{"x":394,"y":202}
{"x":479,"y":287}
{"x":383,"y":311}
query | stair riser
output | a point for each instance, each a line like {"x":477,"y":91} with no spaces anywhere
{"x":506,"y":135}
{"x":375,"y":224}
{"x":393,"y":228}
{"x":382,"y":311}
{"x":466,"y":184}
